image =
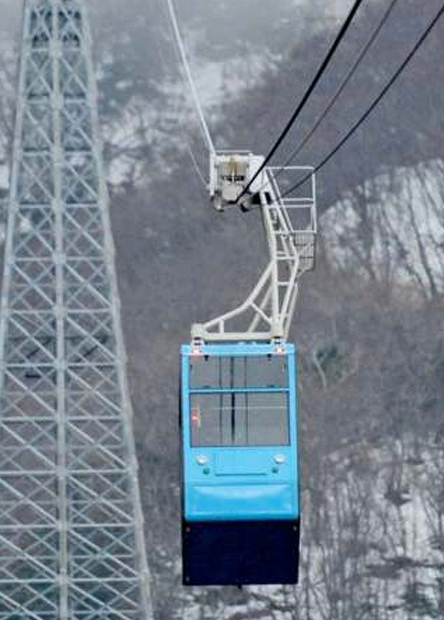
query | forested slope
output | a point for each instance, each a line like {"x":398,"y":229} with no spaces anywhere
{"x":371,"y":347}
{"x":371,"y":350}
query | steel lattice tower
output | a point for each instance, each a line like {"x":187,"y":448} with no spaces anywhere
{"x":71,"y":526}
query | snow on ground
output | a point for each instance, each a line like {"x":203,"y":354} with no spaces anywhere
{"x":4,"y":176}
{"x":375,"y":542}
{"x":140,"y":126}
{"x":223,"y":81}
{"x":392,"y":227}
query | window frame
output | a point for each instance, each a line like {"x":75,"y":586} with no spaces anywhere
{"x":283,"y":389}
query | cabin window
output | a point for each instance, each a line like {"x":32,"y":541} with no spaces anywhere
{"x":220,"y":372}
{"x":239,"y":419}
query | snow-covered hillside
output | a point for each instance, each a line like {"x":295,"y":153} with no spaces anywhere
{"x":372,"y":547}
{"x":140,"y":123}
{"x":392,"y":228}
{"x":371,"y":357}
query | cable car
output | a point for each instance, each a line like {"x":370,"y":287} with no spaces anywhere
{"x":240,"y":492}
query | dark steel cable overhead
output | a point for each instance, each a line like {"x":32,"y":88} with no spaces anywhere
{"x":343,"y":84}
{"x":373,"y":105}
{"x":321,"y":70}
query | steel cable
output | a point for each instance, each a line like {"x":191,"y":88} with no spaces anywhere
{"x":189,"y":76}
{"x":322,"y":68}
{"x":373,"y":105}
{"x":342,"y":86}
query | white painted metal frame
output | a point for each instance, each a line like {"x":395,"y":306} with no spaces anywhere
{"x":71,"y":525}
{"x":291,"y":227}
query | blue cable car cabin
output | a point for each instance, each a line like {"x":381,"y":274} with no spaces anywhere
{"x":240,"y":496}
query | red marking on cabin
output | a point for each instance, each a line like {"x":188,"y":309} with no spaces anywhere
{"x":195,"y":417}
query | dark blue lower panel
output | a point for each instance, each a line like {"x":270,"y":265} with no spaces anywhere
{"x":240,"y":552}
